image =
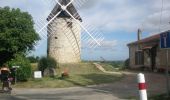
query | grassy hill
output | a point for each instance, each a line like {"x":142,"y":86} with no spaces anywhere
{"x":81,"y":74}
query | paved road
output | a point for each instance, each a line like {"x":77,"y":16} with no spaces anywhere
{"x":116,"y":91}
{"x":76,"y":93}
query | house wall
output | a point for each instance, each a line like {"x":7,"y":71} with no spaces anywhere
{"x":160,"y":58}
{"x":132,"y":50}
{"x":64,"y":41}
{"x":147,"y":60}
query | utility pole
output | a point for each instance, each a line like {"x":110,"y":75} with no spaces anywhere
{"x":164,"y":44}
{"x":167,"y":72}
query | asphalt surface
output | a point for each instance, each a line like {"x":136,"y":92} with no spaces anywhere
{"x":76,"y":93}
{"x":126,"y":88}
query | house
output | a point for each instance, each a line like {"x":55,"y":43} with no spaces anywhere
{"x":147,"y":53}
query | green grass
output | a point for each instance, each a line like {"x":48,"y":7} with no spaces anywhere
{"x":81,"y":74}
{"x":112,"y":66}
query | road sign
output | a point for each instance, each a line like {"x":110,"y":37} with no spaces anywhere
{"x":165,"y":40}
{"x":37,"y":74}
{"x":15,"y":66}
{"x":165,"y":44}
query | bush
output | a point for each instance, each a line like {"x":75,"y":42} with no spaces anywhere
{"x":24,"y":72}
{"x":46,"y":62}
{"x":33,"y":59}
{"x":126,"y":63}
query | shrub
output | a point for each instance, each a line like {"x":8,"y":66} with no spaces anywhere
{"x":126,"y":63}
{"x":33,"y":59}
{"x":46,"y":62}
{"x":24,"y":72}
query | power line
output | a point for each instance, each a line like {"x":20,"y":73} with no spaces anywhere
{"x":161,"y":15}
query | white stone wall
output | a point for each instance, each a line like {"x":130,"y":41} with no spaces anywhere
{"x":64,"y":44}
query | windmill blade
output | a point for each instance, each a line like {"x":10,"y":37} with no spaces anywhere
{"x":55,"y":15}
{"x":49,"y":22}
{"x":69,"y":3}
{"x":64,"y":8}
{"x":83,"y":28}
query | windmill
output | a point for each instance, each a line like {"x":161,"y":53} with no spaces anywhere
{"x":64,"y":33}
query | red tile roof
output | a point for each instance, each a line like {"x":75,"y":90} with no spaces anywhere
{"x":148,"y":39}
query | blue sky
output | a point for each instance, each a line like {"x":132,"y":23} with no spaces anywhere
{"x":117,"y":19}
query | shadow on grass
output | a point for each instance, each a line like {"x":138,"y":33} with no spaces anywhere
{"x":93,"y":79}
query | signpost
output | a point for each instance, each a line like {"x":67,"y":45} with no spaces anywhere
{"x":15,"y":70}
{"x":165,"y":40}
{"x":165,"y":44}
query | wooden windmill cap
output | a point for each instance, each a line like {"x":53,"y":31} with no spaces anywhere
{"x":70,"y":8}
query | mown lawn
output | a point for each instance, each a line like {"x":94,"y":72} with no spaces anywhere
{"x":81,"y":74}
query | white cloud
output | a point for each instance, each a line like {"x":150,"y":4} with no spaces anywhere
{"x":109,"y":43}
{"x":152,"y":23}
{"x":108,"y":16}
{"x":129,"y":15}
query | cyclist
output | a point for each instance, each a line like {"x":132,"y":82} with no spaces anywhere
{"x":6,"y":80}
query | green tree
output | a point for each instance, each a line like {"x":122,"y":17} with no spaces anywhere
{"x":17,"y":33}
{"x":46,"y":62}
{"x":126,"y":63}
{"x":24,"y":71}
{"x":33,"y":59}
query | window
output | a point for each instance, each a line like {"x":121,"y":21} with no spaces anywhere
{"x":69,"y":24}
{"x":139,"y":58}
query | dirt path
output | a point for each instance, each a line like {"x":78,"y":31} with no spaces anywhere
{"x":98,"y":66}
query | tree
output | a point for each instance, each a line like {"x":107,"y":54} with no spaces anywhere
{"x":46,"y":62}
{"x":17,"y":33}
{"x":126,"y":63}
{"x":33,"y":59}
{"x":24,"y":72}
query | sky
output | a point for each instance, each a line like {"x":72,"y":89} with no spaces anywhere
{"x":117,"y":20}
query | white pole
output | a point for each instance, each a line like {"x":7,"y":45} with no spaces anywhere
{"x":142,"y":86}
{"x":167,"y":72}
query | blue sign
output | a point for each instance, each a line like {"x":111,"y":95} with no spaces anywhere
{"x":165,"y":40}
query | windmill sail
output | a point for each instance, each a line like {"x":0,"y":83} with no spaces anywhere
{"x":64,"y":32}
{"x":72,"y":10}
{"x":64,"y":44}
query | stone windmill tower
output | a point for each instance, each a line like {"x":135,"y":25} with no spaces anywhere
{"x":64,"y":42}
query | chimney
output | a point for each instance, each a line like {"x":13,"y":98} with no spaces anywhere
{"x":139,"y":37}
{"x":139,"y":34}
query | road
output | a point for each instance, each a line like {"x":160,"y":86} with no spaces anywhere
{"x":120,"y":90}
